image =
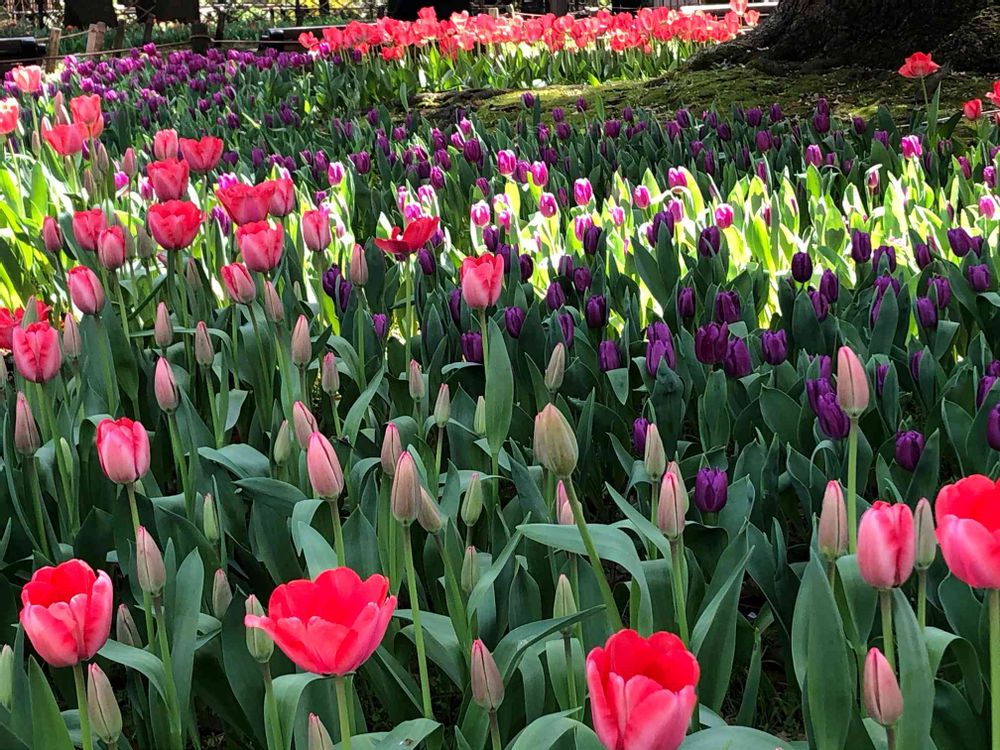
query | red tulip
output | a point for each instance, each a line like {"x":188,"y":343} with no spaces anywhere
{"x":973,"y":109}
{"x":66,"y":139}
{"x":329,"y":626}
{"x":169,"y":178}
{"x":174,"y":224}
{"x":85,"y":290}
{"x":994,"y":95}
{"x":316,"y":229}
{"x":968,"y":517}
{"x":36,"y":352}
{"x":10,"y":113}
{"x":246,"y":203}
{"x":27,"y":78}
{"x":165,"y":144}
{"x":87,"y":225}
{"x":261,"y":245}
{"x":123,"y":449}
{"x":239,"y":284}
{"x":482,"y":280}
{"x":918,"y":65}
{"x":86,"y":111}
{"x":202,"y":155}
{"x":886,"y":545}
{"x":11,"y":319}
{"x":642,"y":691}
{"x":111,"y":248}
{"x":406,"y":242}
{"x":283,"y":198}
{"x":66,"y":612}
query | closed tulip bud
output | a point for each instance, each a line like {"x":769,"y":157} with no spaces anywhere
{"x":472,"y":503}
{"x":852,"y":382}
{"x":259,"y":643}
{"x":273,"y":308}
{"x":886,"y":545}
{"x":325,"y":473}
{"x":391,"y":449}
{"x":442,"y":407}
{"x":329,"y":379}
{"x":564,"y":603}
{"x":318,"y":737}
{"x":101,"y":161}
{"x":130,"y":164}
{"x":923,"y":521}
{"x":405,"y":495}
{"x":52,"y":235}
{"x":555,"y":444}
{"x":655,"y":456}
{"x":88,"y":181}
{"x":149,"y":563}
{"x":672,"y":508}
{"x":165,"y":386}
{"x":204,"y":354}
{"x":210,"y":519}
{"x":304,"y":424}
{"x":222,"y":594}
{"x":470,"y":570}
{"x":163,"y":329}
{"x":416,"y":381}
{"x":282,"y":444}
{"x":191,"y":274}
{"x":105,"y":716}
{"x":125,"y":630}
{"x":6,"y":676}
{"x":487,"y":684}
{"x":564,"y":510}
{"x":883,"y":699}
{"x":36,"y":142}
{"x":144,"y":243}
{"x":833,"y":523}
{"x":72,"y":342}
{"x":556,"y":368}
{"x":358,"y":269}
{"x":428,"y":514}
{"x":301,"y":343}
{"x":26,"y":437}
{"x":479,"y":420}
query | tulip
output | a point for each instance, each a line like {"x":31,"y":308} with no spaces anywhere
{"x":608,"y":356}
{"x":852,"y":383}
{"x":316,"y":229}
{"x":301,"y":346}
{"x":104,"y":714}
{"x":204,"y":354}
{"x":325,"y":473}
{"x":358,"y":268}
{"x":883,"y":699}
{"x":261,"y":244}
{"x":833,"y":523}
{"x":487,"y":684}
{"x":123,"y":450}
{"x":556,"y":368}
{"x":470,"y":570}
{"x":658,"y":668}
{"x":36,"y":351}
{"x":149,"y":564}
{"x":7,"y":676}
{"x":165,"y":386}
{"x":318,"y":738}
{"x":111,"y":248}
{"x":918,"y":65}
{"x":246,"y":204}
{"x":259,"y":643}
{"x":967,"y":531}
{"x":86,"y":111}
{"x":163,"y":330}
{"x":174,"y":224}
{"x":774,"y":346}
{"x":711,"y":342}
{"x":85,"y":290}
{"x":563,"y":604}
{"x":802,"y":267}
{"x":222,"y":594}
{"x":202,"y":155}
{"x":993,"y":428}
{"x":583,"y":192}
{"x":654,"y":458}
{"x":482,"y":280}
{"x":736,"y":362}
{"x":979,"y":277}
{"x":239,"y":284}
{"x":564,"y":511}
{"x":428,"y":513}
{"x":672,"y":506}
{"x":711,"y":490}
{"x":165,"y":144}
{"x":52,"y":235}
{"x":392,"y":449}
{"x":87,"y":227}
{"x":886,"y":546}
{"x":125,"y":629}
{"x":66,"y":139}
{"x":304,"y":424}
{"x":555,"y":445}
{"x":329,"y":374}
{"x":273,"y":307}
{"x":909,"y":447}
{"x":26,"y":437}
{"x":169,"y":179}
{"x":405,"y":495}
{"x":442,"y":407}
{"x":27,"y":78}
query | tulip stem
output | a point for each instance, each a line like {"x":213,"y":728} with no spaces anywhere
{"x":614,"y":618}
{"x":112,"y":385}
{"x":922,"y":599}
{"x":679,"y":589}
{"x":486,"y":339}
{"x":345,"y":722}
{"x":116,"y":283}
{"x":275,"y":739}
{"x":172,"y":705}
{"x":885,"y":599}
{"x":418,"y":633}
{"x":182,"y":467}
{"x":408,"y":323}
{"x":36,"y":501}
{"x":265,"y":373}
{"x":852,"y":485}
{"x":654,"y":497}
{"x":213,"y":407}
{"x":81,"y":699}
{"x":495,"y":731}
{"x":994,"y":597}
{"x":890,"y":738}
{"x":570,"y":672}
{"x":338,"y":531}
{"x":359,"y":332}
{"x":147,"y":604}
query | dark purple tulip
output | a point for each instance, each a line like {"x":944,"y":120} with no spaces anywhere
{"x":710,"y":241}
{"x":710,"y":343}
{"x":362,"y":162}
{"x":426,"y":262}
{"x":990,"y":176}
{"x":727,"y":307}
{"x":591,"y":238}
{"x":711,"y":490}
{"x":993,"y":428}
{"x":927,"y":314}
{"x":833,"y":420}
{"x":941,"y":288}
{"x":737,"y":363}
{"x":344,"y":294}
{"x":380,"y":322}
{"x":555,"y":297}
{"x":639,"y":427}
{"x":960,"y":241}
{"x":558,"y":115}
{"x":724,"y":131}
{"x":754,"y":116}
{"x":776,"y":114}
{"x":582,"y":278}
{"x":609,"y":356}
{"x":889,"y":253}
{"x":979,"y":277}
{"x":829,"y":285}
{"x":685,"y":302}
{"x":656,"y":352}
{"x":455,"y":305}
{"x":909,"y":447}
{"x":491,"y":238}
{"x":860,"y":126}
{"x":514,"y":320}
{"x":821,"y":123}
{"x":661,"y":219}
{"x":993,"y":368}
{"x":566,"y":267}
{"x":483,"y":186}
{"x":880,"y":372}
{"x":884,"y":282}
{"x":802,"y":267}
{"x":820,"y":305}
{"x":861,"y":246}
{"x":763,"y":141}
{"x":527,"y":266}
{"x":568,"y":326}
{"x":596,"y":311}
{"x":774,"y":346}
{"x":922,"y":253}
{"x":815,"y":389}
{"x":330,"y":278}
{"x":472,"y":346}
{"x":472,"y":150}
{"x":528,"y":99}
{"x":915,"y":359}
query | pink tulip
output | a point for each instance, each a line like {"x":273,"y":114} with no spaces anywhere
{"x":202,"y":155}
{"x":283,"y":199}
{"x":87,"y":225}
{"x":165,"y":386}
{"x":261,"y":245}
{"x":883,"y":699}
{"x":316,"y":229}
{"x":52,"y":235}
{"x":482,"y":280}
{"x":36,"y":351}
{"x":169,"y":178}
{"x":111,"y":249}
{"x":123,"y":450}
{"x":852,"y":382}
{"x":165,"y":144}
{"x":85,"y":290}
{"x":325,"y":473}
{"x":886,"y":545}
{"x":239,"y":284}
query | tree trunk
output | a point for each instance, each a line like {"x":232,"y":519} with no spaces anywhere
{"x":873,"y":33}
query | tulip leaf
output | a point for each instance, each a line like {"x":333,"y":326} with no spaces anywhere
{"x":406,"y":735}
{"x":138,"y":659}
{"x":915,"y":678}
{"x":940,"y":642}
{"x":499,"y":390}
{"x":48,"y":728}
{"x":287,"y":692}
{"x":545,"y":731}
{"x":352,"y":422}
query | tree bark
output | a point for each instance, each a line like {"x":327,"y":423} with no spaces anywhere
{"x":874,"y":33}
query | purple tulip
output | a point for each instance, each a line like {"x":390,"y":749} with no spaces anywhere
{"x":514,"y":320}
{"x":909,"y":448}
{"x":941,"y":288}
{"x":922,"y":253}
{"x":330,"y":278}
{"x":568,"y":326}
{"x":802,"y":267}
{"x":993,"y":368}
{"x":774,"y":346}
{"x":763,"y":141}
{"x":888,"y":252}
{"x":915,"y":359}
{"x":927,"y":314}
{"x":527,"y":266}
{"x":582,"y":279}
{"x":455,"y":305}
{"x":736,"y":362}
{"x":993,"y":428}
{"x":861,"y":246}
{"x":639,"y":427}
{"x":710,"y":241}
{"x":710,"y":343}
{"x":820,"y":305}
{"x":426,"y":262}
{"x":472,"y":150}
{"x":591,"y":239}
{"x":659,"y":346}
{"x":833,"y":420}
{"x":608,"y":355}
{"x":660,"y":219}
{"x":555,"y":297}
{"x":686,"y":302}
{"x":829,"y":286}
{"x":596,"y":311}
{"x":880,"y":372}
{"x":960,"y":241}
{"x":472,"y":346}
{"x":979,"y":277}
{"x":344,"y":294}
{"x":816,"y":388}
{"x":727,"y":307}
{"x":380,"y":322}
{"x":711,"y":489}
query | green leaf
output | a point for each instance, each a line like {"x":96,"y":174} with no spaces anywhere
{"x":48,"y":728}
{"x":140,"y":660}
{"x":915,"y":678}
{"x":407,"y":735}
{"x":185,"y":612}
{"x":352,"y":422}
{"x":547,"y":730}
{"x":287,"y":692}
{"x":499,"y":390}
{"x":733,"y":738}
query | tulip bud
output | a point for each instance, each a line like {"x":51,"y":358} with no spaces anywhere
{"x":564,"y":510}
{"x":259,"y":644}
{"x":428,"y":514}
{"x":101,"y":161}
{"x":36,"y":142}
{"x":405,"y":495}
{"x":88,"y":181}
{"x":472,"y":503}
{"x":210,"y":519}
{"x":325,"y":473}
{"x":130,"y":164}
{"x":487,"y":685}
{"x":273,"y":308}
{"x":479,"y":420}
{"x":319,"y":738}
{"x":301,"y":343}
{"x":125,"y":630}
{"x":149,"y":563}
{"x":923,"y":521}
{"x":6,"y":676}
{"x":3,"y":377}
{"x":52,"y":235}
{"x":72,"y":342}
{"x":26,"y":437}
{"x":852,"y":383}
{"x":165,"y":386}
{"x":282,"y":444}
{"x":883,"y":700}
{"x":833,"y":523}
{"x":163,"y":329}
{"x":304,"y":424}
{"x":564,"y":603}
{"x":105,"y":716}
{"x":417,"y":388}
{"x":556,"y":368}
{"x":655,"y":455}
{"x":470,"y":570}
{"x":442,"y":407}
{"x":672,"y":508}
{"x":329,"y":379}
{"x":204,"y":354}
{"x":358,"y":269}
{"x":555,"y":444}
{"x":145,"y":243}
{"x":222,"y":594}
{"x":391,"y":449}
